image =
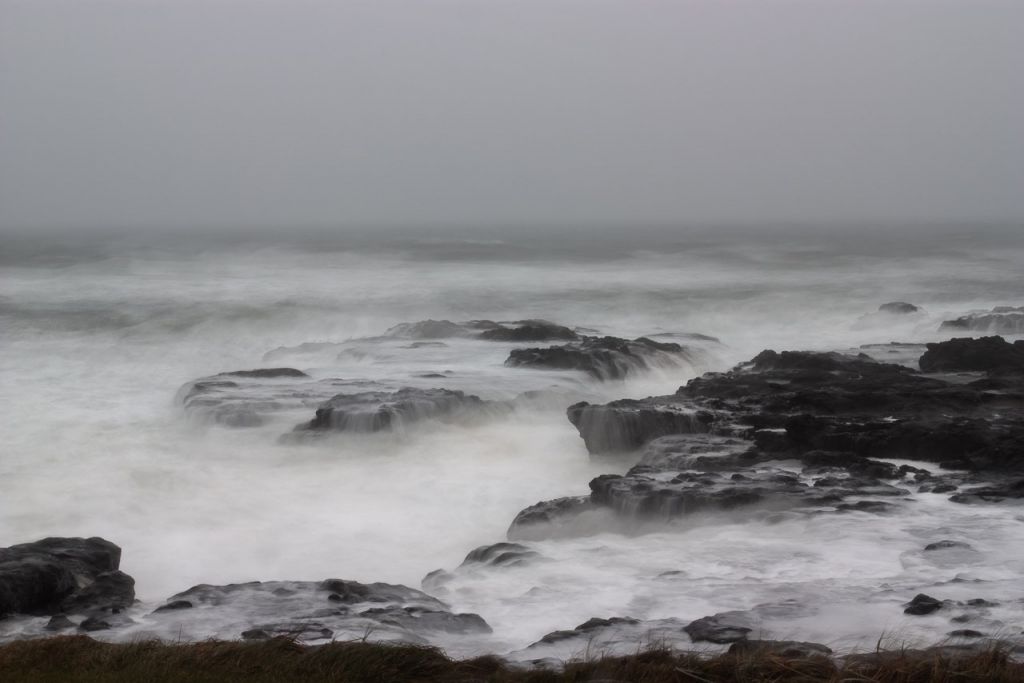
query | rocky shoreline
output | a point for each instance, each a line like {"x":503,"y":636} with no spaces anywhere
{"x":787,"y":434}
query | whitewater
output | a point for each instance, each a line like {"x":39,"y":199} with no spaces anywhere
{"x":96,"y":345}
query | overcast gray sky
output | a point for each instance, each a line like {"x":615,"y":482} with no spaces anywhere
{"x":217,"y":113}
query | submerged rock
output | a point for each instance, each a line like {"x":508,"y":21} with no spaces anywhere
{"x":898,"y":308}
{"x":604,"y":358}
{"x":266,"y":373}
{"x":627,"y":424}
{"x":428,"y":329}
{"x":722,"y":628}
{"x":609,"y":636}
{"x":1000,"y":320}
{"x":530,"y":331}
{"x":922,"y":604}
{"x":310,"y":610}
{"x":63,"y":575}
{"x":500,"y":555}
{"x":375,"y":411}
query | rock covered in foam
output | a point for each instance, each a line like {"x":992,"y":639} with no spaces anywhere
{"x":375,"y":411}
{"x":604,"y":358}
{"x":898,"y":308}
{"x":311,"y":611}
{"x":1000,"y":320}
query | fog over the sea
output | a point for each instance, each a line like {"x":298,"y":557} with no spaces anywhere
{"x":158,"y":115}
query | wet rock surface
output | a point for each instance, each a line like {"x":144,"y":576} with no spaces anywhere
{"x":613,"y":635}
{"x":805,"y":430}
{"x":898,"y":308}
{"x":310,"y":611}
{"x":604,"y":358}
{"x":63,"y":575}
{"x":375,"y":411}
{"x":1000,"y":320}
{"x":966,"y":354}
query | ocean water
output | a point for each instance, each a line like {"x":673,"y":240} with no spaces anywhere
{"x":96,"y":343}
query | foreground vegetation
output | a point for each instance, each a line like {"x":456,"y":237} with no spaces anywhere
{"x":79,"y":658}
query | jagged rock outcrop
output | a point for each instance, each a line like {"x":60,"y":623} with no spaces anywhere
{"x":1000,"y":320}
{"x":604,"y":358}
{"x":717,"y":444}
{"x":965,"y":354}
{"x":64,"y":575}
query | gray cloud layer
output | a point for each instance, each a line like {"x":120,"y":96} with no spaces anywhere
{"x":557,"y":112}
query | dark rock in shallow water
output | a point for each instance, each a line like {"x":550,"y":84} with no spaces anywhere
{"x":783,"y":648}
{"x":898,"y":308}
{"x":530,"y":331}
{"x":604,"y":358}
{"x":549,"y":518}
{"x":587,"y":628}
{"x":612,"y":636}
{"x":923,"y":604}
{"x":946,"y":545}
{"x":59,"y":623}
{"x":247,"y":398}
{"x":63,"y":575}
{"x":265,"y":373}
{"x":991,"y":494}
{"x":719,"y":442}
{"x":374,"y":411}
{"x":627,"y":424}
{"x":500,"y":555}
{"x":428,"y":329}
{"x":94,"y":624}
{"x":722,"y":628}
{"x":966,"y":354}
{"x":309,"y":610}
{"x":1000,"y":320}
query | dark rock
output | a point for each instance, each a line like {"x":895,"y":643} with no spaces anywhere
{"x":55,"y":575}
{"x":722,"y":628}
{"x":333,"y":608}
{"x":500,"y":555}
{"x":59,"y":623}
{"x":944,"y":545}
{"x":536,"y":521}
{"x":923,"y":604}
{"x":604,"y":358}
{"x":981,"y":602}
{"x":586,"y":628}
{"x":783,"y":648}
{"x":898,"y":308}
{"x":266,"y":373}
{"x":428,"y":329}
{"x":614,"y":636}
{"x":627,"y":424}
{"x":94,"y":624}
{"x":174,"y":605}
{"x":530,"y":331}
{"x":965,"y":354}
{"x":374,"y":411}
{"x":1000,"y":320}
{"x":966,"y":633}
{"x":991,"y":494}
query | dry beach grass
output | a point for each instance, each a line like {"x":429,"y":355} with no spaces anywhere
{"x":82,"y":659}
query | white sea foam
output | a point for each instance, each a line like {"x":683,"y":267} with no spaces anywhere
{"x":93,"y":443}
